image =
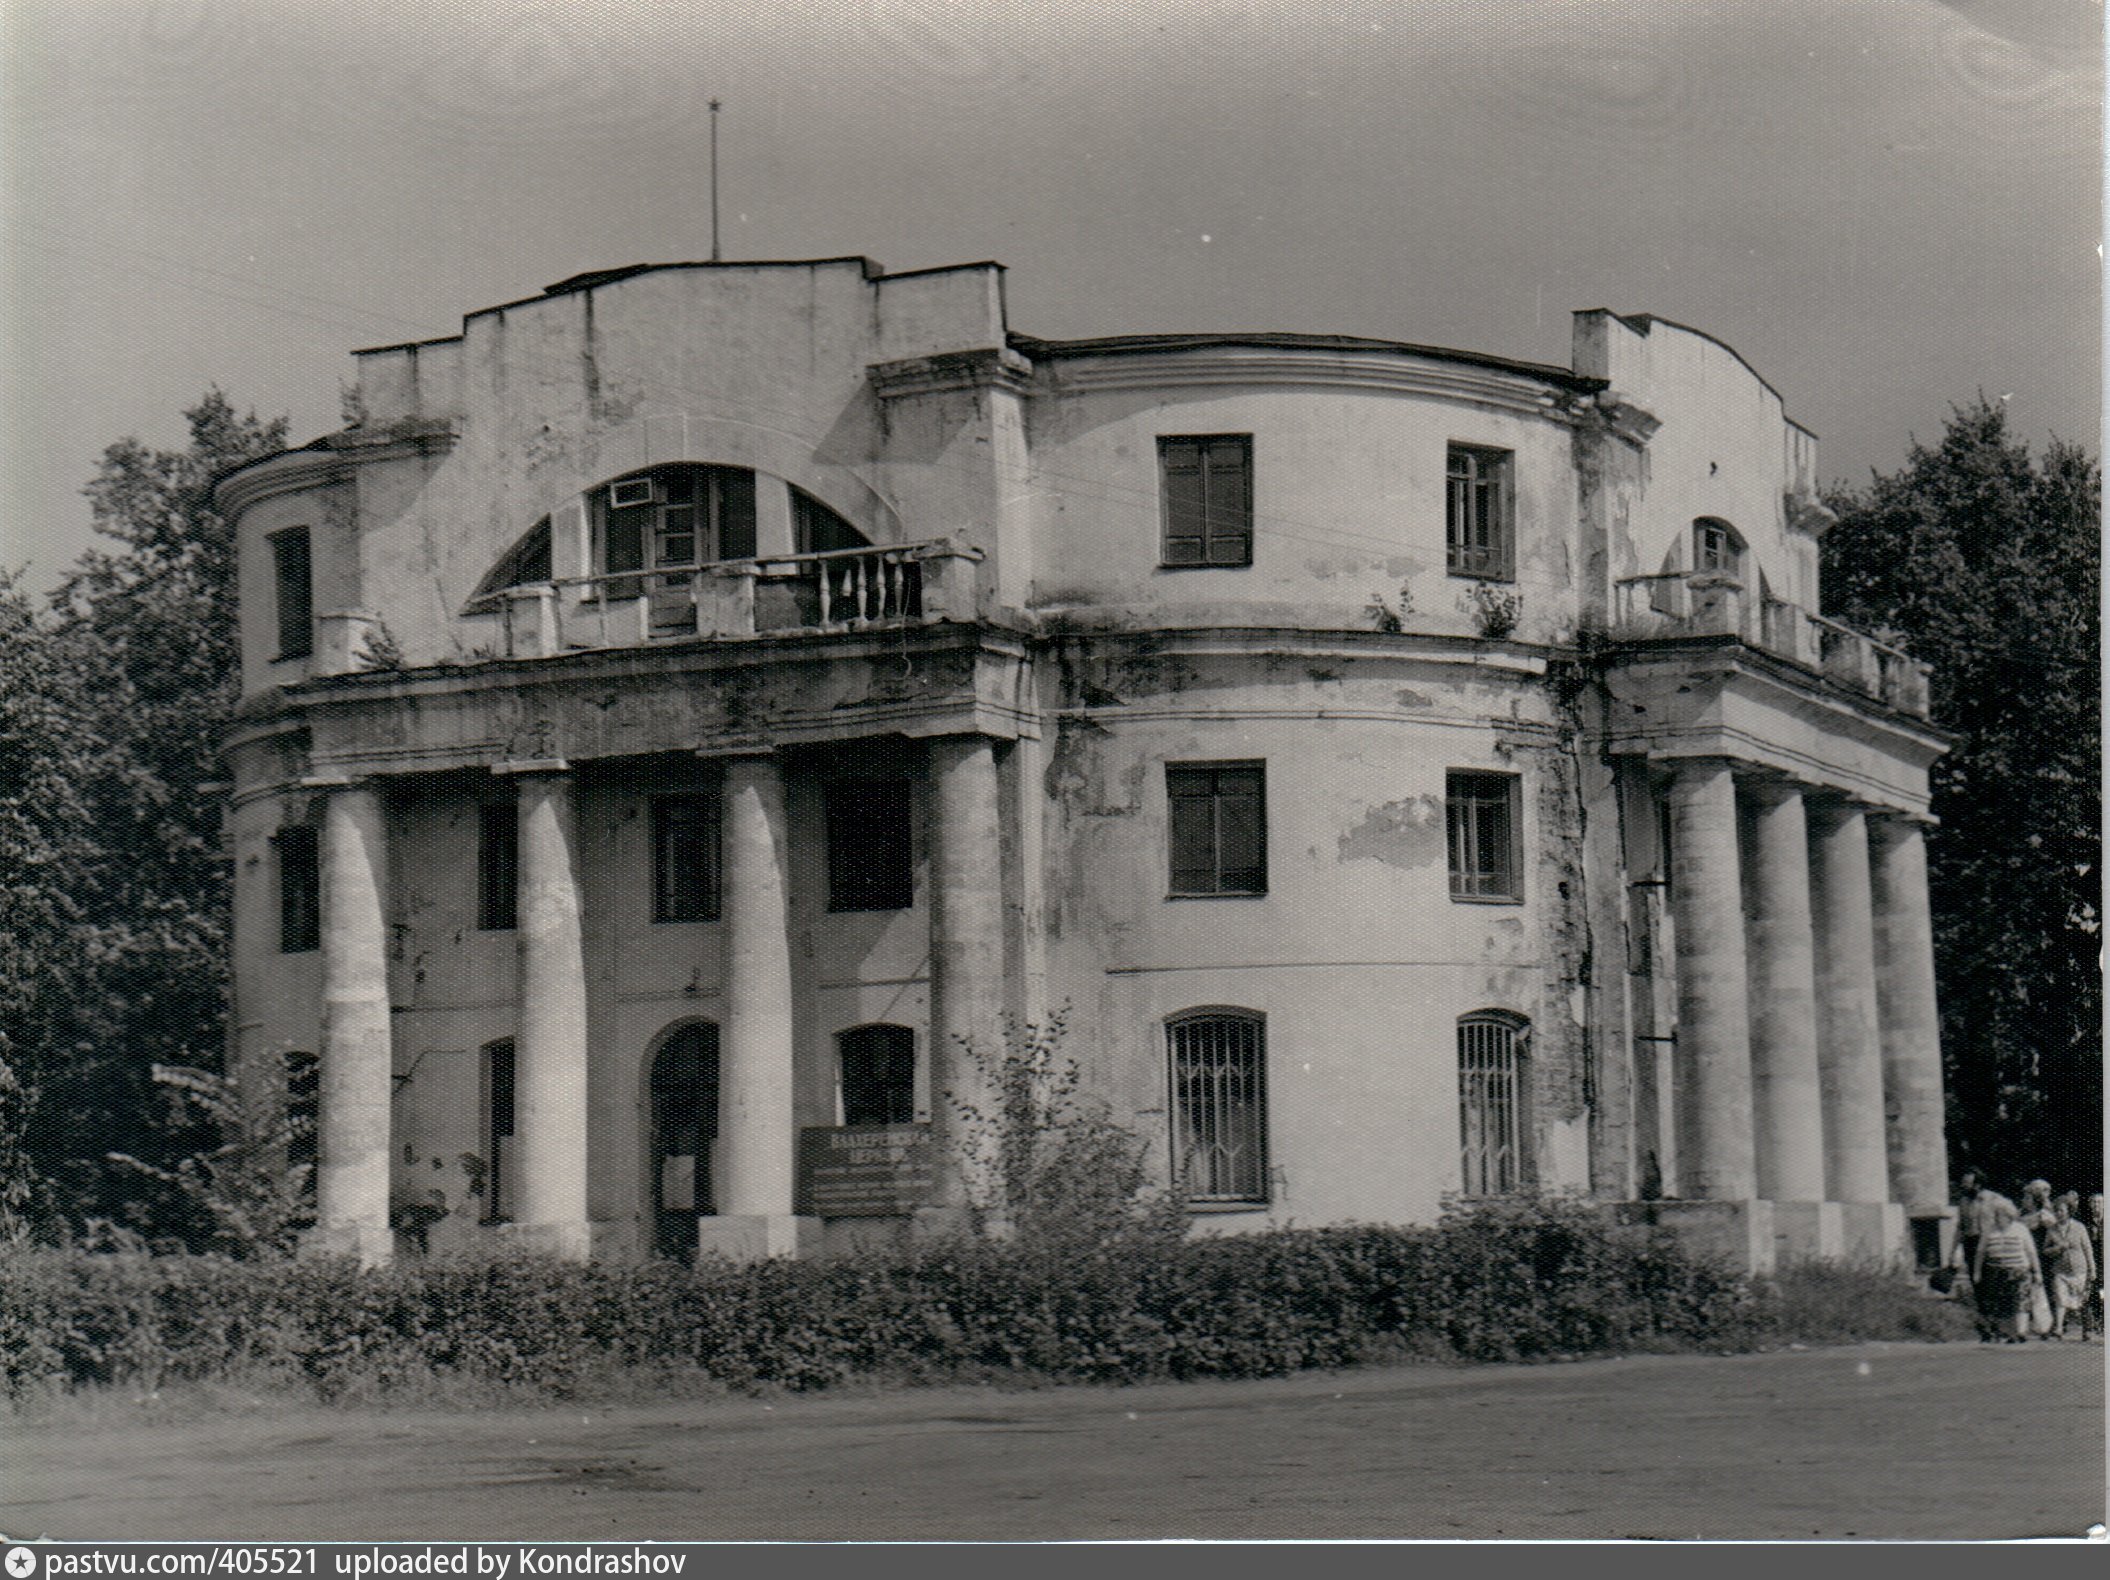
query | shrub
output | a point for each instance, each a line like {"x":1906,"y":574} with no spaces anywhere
{"x":1522,"y":1280}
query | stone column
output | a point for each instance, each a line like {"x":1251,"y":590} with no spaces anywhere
{"x":357,"y":1086}
{"x":1911,"y":1026}
{"x":966,"y":953}
{"x":1716,"y":1149}
{"x":756,"y":1138}
{"x":1849,"y":1059}
{"x":549,"y":1058}
{"x":1784,"y":1079}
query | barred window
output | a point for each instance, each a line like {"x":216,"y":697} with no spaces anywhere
{"x":685,"y":858}
{"x":497,"y":866}
{"x":1486,"y":858}
{"x":299,"y":889}
{"x":878,"y":1071}
{"x":1479,"y":514}
{"x":1208,"y":484}
{"x":1218,"y":827}
{"x":1493,"y":1102}
{"x":1219,"y":1105}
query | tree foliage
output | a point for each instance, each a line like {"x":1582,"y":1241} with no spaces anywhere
{"x":113,"y":696}
{"x":1985,"y":561}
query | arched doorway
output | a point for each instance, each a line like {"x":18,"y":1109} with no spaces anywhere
{"x":684,"y":1126}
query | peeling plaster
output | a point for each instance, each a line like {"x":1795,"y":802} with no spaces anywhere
{"x":1405,"y":834}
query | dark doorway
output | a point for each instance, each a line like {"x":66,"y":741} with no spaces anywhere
{"x":684,"y":1126}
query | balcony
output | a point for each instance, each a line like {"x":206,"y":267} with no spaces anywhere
{"x":1688,"y":603}
{"x":862,"y":589}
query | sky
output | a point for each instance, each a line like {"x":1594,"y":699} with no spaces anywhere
{"x":1886,"y":206}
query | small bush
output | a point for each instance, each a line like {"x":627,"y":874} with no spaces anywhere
{"x":1514,"y":1281}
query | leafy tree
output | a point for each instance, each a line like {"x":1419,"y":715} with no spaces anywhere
{"x":1984,"y":561}
{"x":113,"y":945}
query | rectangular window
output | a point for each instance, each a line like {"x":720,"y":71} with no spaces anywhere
{"x":1479,"y":514}
{"x":497,"y":866}
{"x":295,"y":593}
{"x":498,"y":1131}
{"x":685,"y":858}
{"x":299,"y":889}
{"x":1486,"y":858}
{"x":1218,"y":827}
{"x":1208,"y":488}
{"x":1219,"y":1104}
{"x":871,"y":863}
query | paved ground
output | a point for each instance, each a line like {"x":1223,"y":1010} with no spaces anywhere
{"x":1878,"y":1441}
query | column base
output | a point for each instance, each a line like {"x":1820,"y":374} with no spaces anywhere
{"x":371,"y":1245}
{"x":756,"y":1237}
{"x":570,"y":1242}
{"x":1808,"y":1231}
{"x":1876,"y":1235}
{"x":1738,"y":1235}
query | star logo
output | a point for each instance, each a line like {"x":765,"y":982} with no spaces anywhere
{"x":21,"y":1562}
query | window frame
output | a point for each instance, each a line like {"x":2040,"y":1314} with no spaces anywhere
{"x":1718,"y":549}
{"x":1239,"y":1035}
{"x":1217,"y":887}
{"x":1494,"y":1095}
{"x":1239,"y":536}
{"x":895,"y":1086}
{"x":858,"y":886}
{"x":709,"y":808}
{"x":500,"y":1122}
{"x":1472,"y":882}
{"x":497,"y":866}
{"x":1479,"y":512}
{"x":293,"y":592}
{"x":297,"y":849}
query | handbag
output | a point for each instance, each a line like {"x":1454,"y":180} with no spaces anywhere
{"x":2039,"y":1309}
{"x":1943,"y":1279}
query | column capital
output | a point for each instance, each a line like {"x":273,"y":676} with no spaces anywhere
{"x":532,"y":765}
{"x":336,"y":781}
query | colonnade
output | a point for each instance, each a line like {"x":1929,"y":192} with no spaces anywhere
{"x":757,"y":1131}
{"x":1807,"y":1034}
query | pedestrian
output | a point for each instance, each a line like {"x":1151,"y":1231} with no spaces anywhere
{"x":2036,"y":1215}
{"x":2072,"y":1265}
{"x":2092,"y":1307}
{"x":1974,"y":1212}
{"x":2003,"y":1274}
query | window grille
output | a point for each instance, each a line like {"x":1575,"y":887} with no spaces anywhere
{"x":497,"y":866}
{"x":1208,"y":488}
{"x":1218,"y":827}
{"x":1479,"y":516}
{"x":1493,"y":1066}
{"x":299,"y":889}
{"x":1486,"y":862}
{"x":878,"y":1071}
{"x":1219,"y":1089}
{"x":294,"y":580}
{"x":685,"y":858}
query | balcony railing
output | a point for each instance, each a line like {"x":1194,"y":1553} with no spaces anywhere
{"x":862,"y":589}
{"x":1692,"y":603}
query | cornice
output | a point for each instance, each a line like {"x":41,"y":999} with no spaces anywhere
{"x":1272,"y":367}
{"x":326,"y":462}
{"x":990,"y":367}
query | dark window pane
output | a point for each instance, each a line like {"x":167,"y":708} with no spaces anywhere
{"x":1217,"y":831}
{"x":736,"y":512}
{"x":1485,"y":857}
{"x":1208,"y":507}
{"x":685,"y":858}
{"x":878,"y":1075}
{"x":299,"y":890}
{"x":1479,"y":514}
{"x":871,"y":863}
{"x":295,"y":593}
{"x":497,"y":866}
{"x":819,"y":530}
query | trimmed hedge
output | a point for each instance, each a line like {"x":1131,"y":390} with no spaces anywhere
{"x":1516,"y":1282}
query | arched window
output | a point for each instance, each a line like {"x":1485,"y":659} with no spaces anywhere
{"x":815,"y":529}
{"x":526,"y":564}
{"x":1219,"y":1104}
{"x":1494,"y":1095}
{"x":1717,"y":550}
{"x":673,"y":516}
{"x":684,"y":1126}
{"x":877,"y":1065}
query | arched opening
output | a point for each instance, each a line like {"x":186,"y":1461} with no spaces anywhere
{"x":1717,"y":549}
{"x":684,"y":1125}
{"x":1219,"y":1104}
{"x":877,"y":1070}
{"x":1494,"y":1102}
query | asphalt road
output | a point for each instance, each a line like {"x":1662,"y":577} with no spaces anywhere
{"x":1876,"y":1441}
